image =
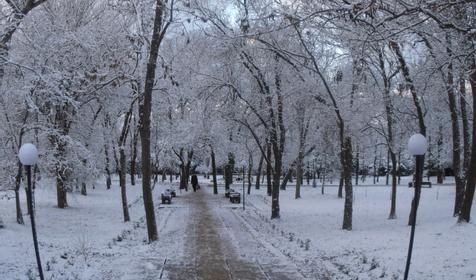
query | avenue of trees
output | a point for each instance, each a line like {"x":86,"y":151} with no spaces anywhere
{"x":288,"y":90}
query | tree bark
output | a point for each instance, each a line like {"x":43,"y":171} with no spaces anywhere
{"x":465,"y":213}
{"x":145,"y":107}
{"x":122,"y":183}
{"x":134,"y":158}
{"x":421,"y":119}
{"x":357,"y":167}
{"x":108,"y":169}
{"x":258,"y":176}
{"x":341,"y":185}
{"x":250,"y":169}
{"x":287,"y":177}
{"x":214,"y":171}
{"x":465,"y":125}
{"x":347,"y":167}
{"x":17,"y":194}
{"x":268,"y":170}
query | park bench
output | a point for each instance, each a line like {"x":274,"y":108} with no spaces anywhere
{"x":166,"y":197}
{"x":172,"y":192}
{"x":423,"y":184}
{"x":235,"y":197}
{"x":227,"y":192}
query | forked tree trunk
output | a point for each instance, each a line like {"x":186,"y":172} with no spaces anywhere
{"x":416,"y":101}
{"x":287,"y":177}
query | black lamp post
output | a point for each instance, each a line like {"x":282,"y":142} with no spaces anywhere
{"x":28,"y":156}
{"x":243,"y":163}
{"x":417,"y":146}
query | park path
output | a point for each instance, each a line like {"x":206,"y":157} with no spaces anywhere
{"x":219,"y":245}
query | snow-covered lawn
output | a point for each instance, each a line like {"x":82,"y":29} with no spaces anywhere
{"x":90,"y":222}
{"x":443,"y":249}
{"x":89,"y":240}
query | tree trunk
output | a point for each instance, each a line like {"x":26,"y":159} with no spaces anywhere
{"x":60,"y":178}
{"x":269,"y":171}
{"x":347,"y":172}
{"x":357,"y":167}
{"x":341,"y":184}
{"x":134,"y":159}
{"x":214,"y":172}
{"x":122,"y":183}
{"x":440,"y":173}
{"x":399,"y":171}
{"x":465,"y":124}
{"x":416,"y":101}
{"x":17,"y":194}
{"x":456,"y":140}
{"x":393,"y":204}
{"x":250,"y":169}
{"x":299,"y":174}
{"x":260,"y":167}
{"x":61,"y":189}
{"x":84,"y":190}
{"x":375,"y":163}
{"x":465,"y":213}
{"x":286,"y":178}
{"x":144,"y":120}
{"x":108,"y":169}
{"x":388,"y":168}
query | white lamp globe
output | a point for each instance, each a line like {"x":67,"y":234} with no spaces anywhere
{"x":417,"y":145}
{"x":28,"y":154}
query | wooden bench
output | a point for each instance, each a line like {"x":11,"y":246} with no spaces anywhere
{"x":166,"y":197}
{"x":227,"y":192}
{"x":423,"y":184}
{"x":235,"y":197}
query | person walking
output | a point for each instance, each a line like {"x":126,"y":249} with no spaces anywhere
{"x":194,"y":182}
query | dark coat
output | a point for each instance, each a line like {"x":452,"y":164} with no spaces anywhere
{"x":194,"y":180}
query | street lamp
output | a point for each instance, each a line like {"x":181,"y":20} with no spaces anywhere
{"x":243,"y":163}
{"x":28,"y":156}
{"x":417,"y":146}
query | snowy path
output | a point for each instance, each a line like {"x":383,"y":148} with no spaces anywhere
{"x":219,"y":245}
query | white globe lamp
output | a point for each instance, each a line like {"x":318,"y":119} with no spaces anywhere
{"x":28,"y":154}
{"x":417,"y":145}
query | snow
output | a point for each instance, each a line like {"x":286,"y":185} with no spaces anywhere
{"x":28,"y":154}
{"x":443,"y":249}
{"x":417,"y":145}
{"x":88,"y":240}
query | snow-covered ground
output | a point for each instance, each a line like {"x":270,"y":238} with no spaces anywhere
{"x":89,"y":240}
{"x":73,"y":241}
{"x":443,"y":249}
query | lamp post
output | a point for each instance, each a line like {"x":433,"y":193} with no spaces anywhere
{"x":417,"y":146}
{"x":28,"y":156}
{"x":243,"y":163}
